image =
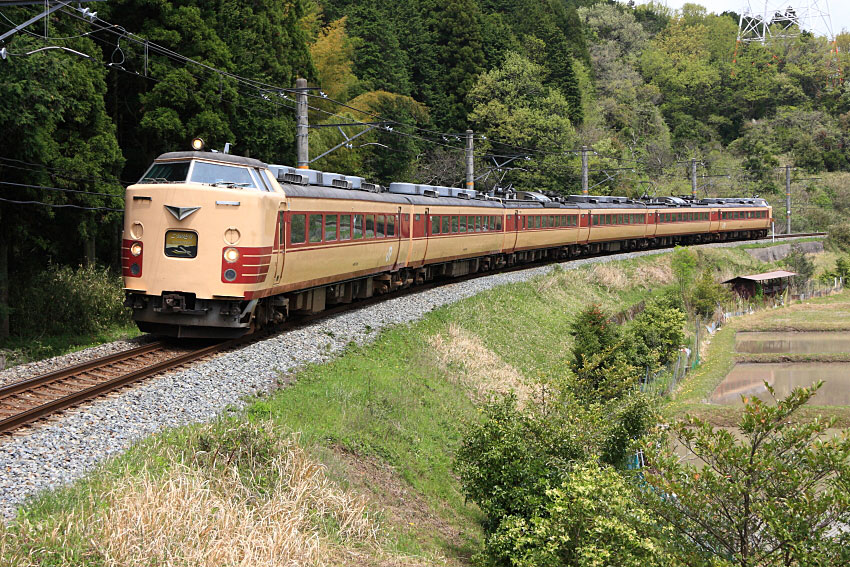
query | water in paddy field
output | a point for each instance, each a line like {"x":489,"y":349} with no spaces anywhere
{"x":793,"y":342}
{"x":748,"y":380}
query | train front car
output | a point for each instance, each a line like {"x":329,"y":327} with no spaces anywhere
{"x":201,"y":237}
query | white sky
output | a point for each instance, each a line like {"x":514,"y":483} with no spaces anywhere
{"x":839,"y":9}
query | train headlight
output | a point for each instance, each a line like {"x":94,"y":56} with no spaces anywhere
{"x":197,"y":144}
{"x":136,"y":248}
{"x":231,"y":255}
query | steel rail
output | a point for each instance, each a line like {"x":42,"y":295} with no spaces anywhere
{"x":67,"y":372}
{"x":64,"y":402}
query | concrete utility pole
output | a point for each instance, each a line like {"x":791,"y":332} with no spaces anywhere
{"x":301,"y":139}
{"x":584,"y":189}
{"x":693,"y":178}
{"x":470,"y":161}
{"x":788,"y":199}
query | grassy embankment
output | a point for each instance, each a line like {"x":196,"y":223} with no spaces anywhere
{"x":352,"y":463}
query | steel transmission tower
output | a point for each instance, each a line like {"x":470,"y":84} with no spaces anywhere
{"x":779,"y":20}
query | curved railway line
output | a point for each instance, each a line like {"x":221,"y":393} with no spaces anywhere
{"x":27,"y":401}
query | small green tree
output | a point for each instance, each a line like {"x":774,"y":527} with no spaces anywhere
{"x":657,"y":332}
{"x":800,"y":263}
{"x":706,"y":294}
{"x":589,"y":520}
{"x":599,"y":357}
{"x":684,"y":265}
{"x":777,"y":493}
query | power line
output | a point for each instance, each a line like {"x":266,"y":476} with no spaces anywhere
{"x":62,"y":206}
{"x":60,"y":172}
{"x":45,"y":188}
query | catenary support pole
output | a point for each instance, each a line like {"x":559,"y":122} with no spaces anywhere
{"x":787,"y":199}
{"x":693,"y":178}
{"x":584,"y":189}
{"x":301,"y":139}
{"x":470,"y":161}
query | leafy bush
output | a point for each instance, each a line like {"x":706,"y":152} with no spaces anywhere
{"x":707,"y":294}
{"x":507,"y":461}
{"x":800,"y":263}
{"x":591,"y":519}
{"x":658,"y":332}
{"x":599,"y":357}
{"x":63,"y":300}
{"x":839,"y":236}
{"x":684,"y":264}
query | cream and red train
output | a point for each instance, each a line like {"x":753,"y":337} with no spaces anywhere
{"x":216,"y":245}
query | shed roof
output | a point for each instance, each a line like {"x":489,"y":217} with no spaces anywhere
{"x":763,"y":277}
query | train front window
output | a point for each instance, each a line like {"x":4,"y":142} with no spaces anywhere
{"x":226,"y":175}
{"x":173,"y":172}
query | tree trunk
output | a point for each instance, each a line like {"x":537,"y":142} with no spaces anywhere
{"x":89,"y":251}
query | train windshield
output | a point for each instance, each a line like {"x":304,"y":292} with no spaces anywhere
{"x":174,"y":172}
{"x":218,"y":174}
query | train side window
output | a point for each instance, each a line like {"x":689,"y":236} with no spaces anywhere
{"x":345,"y":227}
{"x":435,"y":225}
{"x":298,"y":229}
{"x":315,"y":233}
{"x":391,"y":225}
{"x":498,"y":223}
{"x":379,"y":226}
{"x":492,"y":222}
{"x":357,"y":227}
{"x":416,"y":217}
{"x":370,"y":227}
{"x":330,"y":227}
{"x":446,"y":225}
{"x":280,"y":229}
{"x":455,"y":224}
{"x":462,"y":226}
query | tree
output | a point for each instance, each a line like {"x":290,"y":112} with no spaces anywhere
{"x":588,"y":520}
{"x":333,"y":54}
{"x":684,"y":263}
{"x":658,"y":333}
{"x":777,"y":493}
{"x":706,"y":294}
{"x":800,"y":263}
{"x":512,"y":104}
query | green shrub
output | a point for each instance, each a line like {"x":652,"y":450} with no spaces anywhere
{"x":839,"y":236}
{"x":707,"y":294}
{"x":589,"y":520}
{"x":599,"y":357}
{"x":64,"y":300}
{"x":658,"y":332}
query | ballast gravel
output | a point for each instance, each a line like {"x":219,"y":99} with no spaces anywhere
{"x":63,"y":449}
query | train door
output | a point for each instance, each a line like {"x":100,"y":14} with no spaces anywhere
{"x":279,"y":247}
{"x":395,"y":250}
{"x":427,"y":232}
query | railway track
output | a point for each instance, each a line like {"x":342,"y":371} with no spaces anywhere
{"x":27,"y":401}
{"x":800,"y":235}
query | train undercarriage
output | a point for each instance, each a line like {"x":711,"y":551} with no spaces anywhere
{"x":181,"y":314}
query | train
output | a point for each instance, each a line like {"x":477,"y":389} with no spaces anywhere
{"x":217,"y":245}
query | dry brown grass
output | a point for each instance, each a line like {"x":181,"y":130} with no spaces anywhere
{"x":468,"y":360}
{"x":656,"y":272}
{"x":610,"y":276}
{"x":212,"y":516}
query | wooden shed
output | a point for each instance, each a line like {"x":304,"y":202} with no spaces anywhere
{"x":770,"y":283}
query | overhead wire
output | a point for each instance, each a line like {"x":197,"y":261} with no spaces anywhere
{"x":46,"y":188}
{"x":60,"y":205}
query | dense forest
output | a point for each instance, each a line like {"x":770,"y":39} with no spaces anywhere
{"x":646,"y":87}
